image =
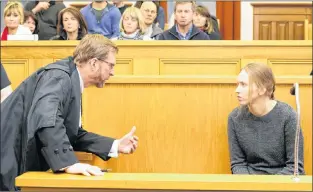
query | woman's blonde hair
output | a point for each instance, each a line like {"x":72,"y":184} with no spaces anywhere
{"x":135,"y":13}
{"x":14,"y":5}
{"x":204,"y":12}
{"x":262,"y":76}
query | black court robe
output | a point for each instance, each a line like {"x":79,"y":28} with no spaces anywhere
{"x":40,"y":124}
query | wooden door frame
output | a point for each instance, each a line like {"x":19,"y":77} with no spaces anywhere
{"x":229,"y":15}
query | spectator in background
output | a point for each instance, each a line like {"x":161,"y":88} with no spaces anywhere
{"x":184,"y":28}
{"x":71,"y":25}
{"x":149,"y":10}
{"x":132,"y":25}
{"x":14,"y":19}
{"x":120,"y":5}
{"x":206,"y":22}
{"x":160,"y":19}
{"x":31,"y":21}
{"x":47,"y":15}
{"x":102,"y":18}
{"x":6,"y":88}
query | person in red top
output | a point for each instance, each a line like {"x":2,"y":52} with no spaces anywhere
{"x":13,"y":19}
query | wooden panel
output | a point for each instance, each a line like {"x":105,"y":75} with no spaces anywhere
{"x":84,"y":157}
{"x":18,"y":67}
{"x":170,"y":110}
{"x":279,"y":27}
{"x":286,"y":19}
{"x":282,"y":8}
{"x":162,"y":182}
{"x":298,"y":29}
{"x":199,"y":66}
{"x":282,"y":32}
{"x":283,"y":67}
{"x":124,"y":66}
{"x":307,"y":30}
{"x":265,"y":30}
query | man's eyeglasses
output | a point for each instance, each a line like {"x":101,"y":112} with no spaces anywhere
{"x":110,"y":64}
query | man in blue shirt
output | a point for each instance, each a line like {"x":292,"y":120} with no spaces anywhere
{"x":102,"y":18}
{"x":184,"y":28}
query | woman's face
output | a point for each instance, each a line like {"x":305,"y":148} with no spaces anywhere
{"x":130,"y":24}
{"x":31,"y":24}
{"x":70,"y":23}
{"x":199,"y":20}
{"x":12,"y":19}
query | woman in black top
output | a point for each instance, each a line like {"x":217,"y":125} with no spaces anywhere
{"x":206,"y":22}
{"x":71,"y":25}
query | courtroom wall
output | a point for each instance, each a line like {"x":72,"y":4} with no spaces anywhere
{"x":246,"y":31}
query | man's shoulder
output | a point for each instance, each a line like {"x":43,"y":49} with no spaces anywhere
{"x":113,"y":10}
{"x":200,"y":34}
{"x":86,"y":8}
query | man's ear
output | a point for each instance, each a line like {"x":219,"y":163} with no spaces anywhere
{"x":93,"y":64}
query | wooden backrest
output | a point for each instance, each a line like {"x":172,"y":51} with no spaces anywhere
{"x":307,"y":30}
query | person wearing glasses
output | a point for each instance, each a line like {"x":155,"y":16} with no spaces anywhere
{"x":149,"y":10}
{"x":41,"y":120}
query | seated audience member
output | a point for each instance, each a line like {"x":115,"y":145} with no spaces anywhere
{"x":13,"y":20}
{"x":31,"y":21}
{"x":184,"y":29}
{"x":206,"y":22}
{"x":102,"y":18}
{"x":6,"y":88}
{"x":160,"y":19}
{"x":47,"y":15}
{"x":71,"y":25}
{"x":149,"y":10}
{"x":261,"y":132}
{"x":132,"y":25}
{"x":120,"y":5}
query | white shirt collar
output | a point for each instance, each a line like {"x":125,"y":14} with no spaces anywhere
{"x":81,"y":82}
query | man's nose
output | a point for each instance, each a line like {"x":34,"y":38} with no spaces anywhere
{"x":112,"y":72}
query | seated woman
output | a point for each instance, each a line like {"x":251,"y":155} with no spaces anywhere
{"x":206,"y":22}
{"x":13,"y":20}
{"x":132,"y":25}
{"x":31,"y":21}
{"x":71,"y":25}
{"x":261,"y":132}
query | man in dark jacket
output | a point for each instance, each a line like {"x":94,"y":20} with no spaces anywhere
{"x":41,"y":120}
{"x":5,"y":84}
{"x":184,"y":29}
{"x":47,"y":15}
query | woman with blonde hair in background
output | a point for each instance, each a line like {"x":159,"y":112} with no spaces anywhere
{"x":206,"y":22}
{"x":71,"y":25}
{"x":132,"y":25}
{"x":261,"y":132}
{"x":14,"y":19}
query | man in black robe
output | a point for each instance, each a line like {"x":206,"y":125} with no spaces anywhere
{"x":41,"y":119}
{"x":5,"y":84}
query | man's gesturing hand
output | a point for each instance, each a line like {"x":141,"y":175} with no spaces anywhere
{"x":128,"y":143}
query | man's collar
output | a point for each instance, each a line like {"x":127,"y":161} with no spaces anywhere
{"x":81,"y":82}
{"x":181,"y":36}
